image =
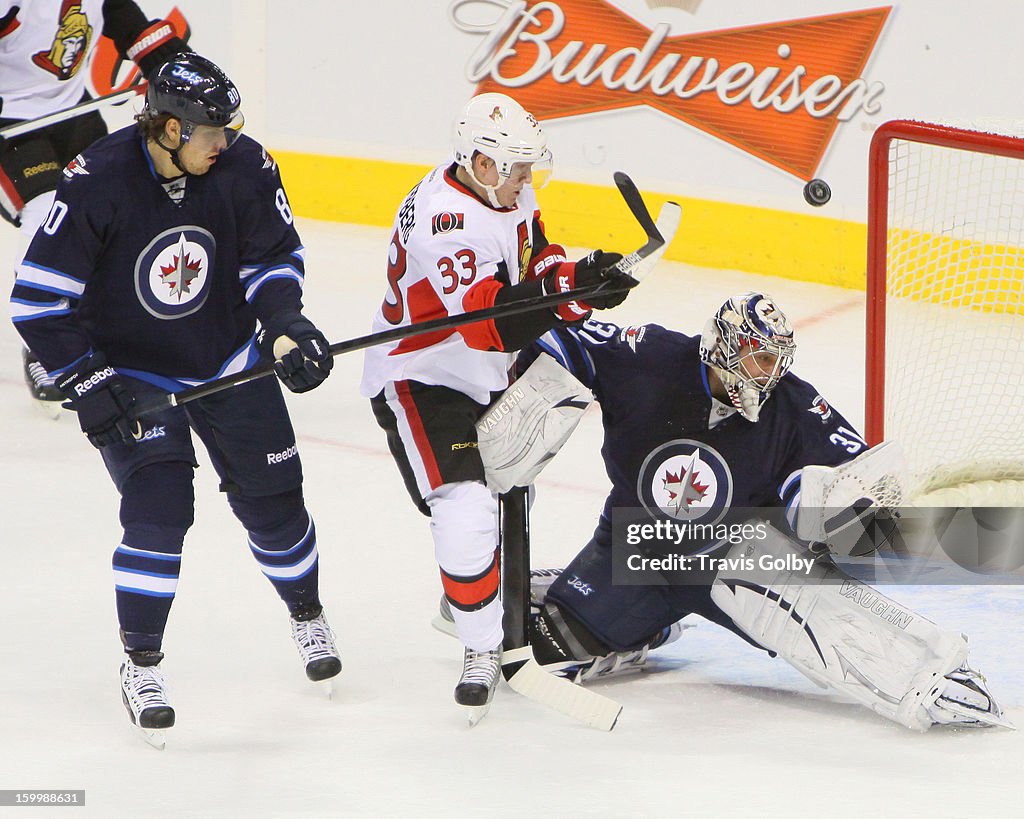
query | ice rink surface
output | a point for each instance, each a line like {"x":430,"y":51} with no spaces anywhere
{"x":715,"y":729}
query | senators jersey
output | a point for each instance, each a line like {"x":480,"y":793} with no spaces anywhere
{"x":166,"y":278}
{"x":448,"y":249}
{"x":45,"y":47}
{"x":673,"y":450}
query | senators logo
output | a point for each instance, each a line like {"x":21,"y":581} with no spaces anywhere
{"x":446,"y":222}
{"x":70,"y":44}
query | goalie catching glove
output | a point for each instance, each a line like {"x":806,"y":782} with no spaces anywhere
{"x":302,"y":358}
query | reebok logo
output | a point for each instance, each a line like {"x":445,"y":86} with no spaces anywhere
{"x":98,"y":377}
{"x":280,"y":457}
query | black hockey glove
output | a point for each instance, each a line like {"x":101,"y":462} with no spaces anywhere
{"x":598,"y":267}
{"x":103,"y":400}
{"x":299,"y":350}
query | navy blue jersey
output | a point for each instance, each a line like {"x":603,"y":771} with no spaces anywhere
{"x":663,"y":449}
{"x":170,"y":292}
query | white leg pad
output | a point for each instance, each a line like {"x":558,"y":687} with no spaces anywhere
{"x":841,"y":634}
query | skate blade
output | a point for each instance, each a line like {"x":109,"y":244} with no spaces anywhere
{"x":327,"y":686}
{"x":50,"y":409}
{"x":155,"y":738}
{"x":475,"y":713}
{"x":444,"y":626}
{"x":985,"y":718}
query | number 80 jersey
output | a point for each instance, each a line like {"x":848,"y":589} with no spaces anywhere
{"x":448,"y":253}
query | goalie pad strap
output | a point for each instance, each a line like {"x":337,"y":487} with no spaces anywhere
{"x":529,"y":423}
{"x":838,"y":632}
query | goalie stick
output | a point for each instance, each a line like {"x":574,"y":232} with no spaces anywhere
{"x":637,"y":266}
{"x":86,"y":107}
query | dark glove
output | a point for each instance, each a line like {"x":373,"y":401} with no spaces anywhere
{"x":103,"y":400}
{"x":302,"y":360}
{"x":595,"y":268}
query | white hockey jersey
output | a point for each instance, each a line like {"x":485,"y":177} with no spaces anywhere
{"x":43,"y":54}
{"x":445,"y":243}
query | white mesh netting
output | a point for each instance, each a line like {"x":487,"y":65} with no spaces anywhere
{"x":954,"y":362}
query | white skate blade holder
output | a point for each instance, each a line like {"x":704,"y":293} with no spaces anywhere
{"x":153,"y":737}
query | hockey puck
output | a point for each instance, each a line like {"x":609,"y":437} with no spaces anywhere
{"x":817,"y":192}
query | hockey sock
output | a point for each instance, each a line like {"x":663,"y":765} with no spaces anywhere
{"x":156,"y":512}
{"x":282,"y":538}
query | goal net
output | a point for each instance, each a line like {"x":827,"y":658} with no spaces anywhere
{"x":945,"y":335}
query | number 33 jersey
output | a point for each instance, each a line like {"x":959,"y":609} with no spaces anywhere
{"x":448,"y":247}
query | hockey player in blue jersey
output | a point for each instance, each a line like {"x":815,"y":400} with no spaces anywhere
{"x":166,"y":245}
{"x":714,"y":429}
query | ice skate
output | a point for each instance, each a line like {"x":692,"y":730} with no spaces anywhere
{"x":144,"y":692}
{"x":477,"y":683}
{"x":622,"y":662}
{"x":966,"y":702}
{"x":47,"y":397}
{"x":315,"y":642}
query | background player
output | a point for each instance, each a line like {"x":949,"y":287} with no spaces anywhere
{"x":468,"y":236}
{"x":166,"y":243}
{"x":707,"y":429}
{"x":45,"y":48}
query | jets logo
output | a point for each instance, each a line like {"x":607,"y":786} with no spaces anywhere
{"x":75,"y":166}
{"x":70,"y":43}
{"x":687,"y":481}
{"x":633,"y":336}
{"x":172,"y":275}
{"x":819,"y":406}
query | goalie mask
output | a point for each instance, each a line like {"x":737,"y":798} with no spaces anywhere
{"x":750,"y":345}
{"x":500,"y":128}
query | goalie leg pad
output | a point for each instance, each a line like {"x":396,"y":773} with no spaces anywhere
{"x":529,"y":423}
{"x":839,"y":633}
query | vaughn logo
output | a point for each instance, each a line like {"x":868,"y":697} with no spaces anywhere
{"x":775,"y":90}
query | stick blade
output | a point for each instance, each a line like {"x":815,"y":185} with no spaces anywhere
{"x":667,"y":225}
{"x":559,"y":694}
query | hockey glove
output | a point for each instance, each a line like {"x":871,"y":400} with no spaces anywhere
{"x":300,"y":351}
{"x":103,"y":400}
{"x":592,"y":270}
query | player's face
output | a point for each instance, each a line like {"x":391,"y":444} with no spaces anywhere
{"x":204,"y":145}
{"x":760,"y":366}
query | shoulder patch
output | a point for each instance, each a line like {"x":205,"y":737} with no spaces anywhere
{"x":446,"y":222}
{"x":268,"y":160}
{"x":632,"y":336}
{"x":819,"y":406}
{"x":75,"y":166}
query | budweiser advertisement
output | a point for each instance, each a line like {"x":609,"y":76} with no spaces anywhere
{"x":775,"y":90}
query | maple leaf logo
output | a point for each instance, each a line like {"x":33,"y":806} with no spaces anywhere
{"x":181,"y":272}
{"x":684,"y":489}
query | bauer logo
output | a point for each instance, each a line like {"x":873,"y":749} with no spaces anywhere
{"x":446,"y":222}
{"x":685,"y":480}
{"x":775,"y":90}
{"x":172,"y":274}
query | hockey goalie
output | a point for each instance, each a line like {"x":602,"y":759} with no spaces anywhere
{"x":708,"y":427}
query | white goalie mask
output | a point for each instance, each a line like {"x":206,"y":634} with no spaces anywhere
{"x":750,"y":345}
{"x":500,"y":128}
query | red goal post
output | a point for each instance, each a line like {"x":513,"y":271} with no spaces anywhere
{"x":945,"y":304}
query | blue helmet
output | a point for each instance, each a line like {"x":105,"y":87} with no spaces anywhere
{"x":194,"y":90}
{"x":749,"y":343}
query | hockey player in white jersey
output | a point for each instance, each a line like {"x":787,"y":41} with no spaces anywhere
{"x":469,"y":236}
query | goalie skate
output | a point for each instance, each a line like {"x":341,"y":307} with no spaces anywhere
{"x":966,"y":702}
{"x":144,"y":693}
{"x":621,"y":662}
{"x":475,"y":689}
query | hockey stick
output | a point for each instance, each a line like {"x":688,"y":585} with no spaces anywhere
{"x":637,"y":265}
{"x":86,"y":107}
{"x":521,"y":670}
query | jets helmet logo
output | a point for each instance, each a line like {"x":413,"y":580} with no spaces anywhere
{"x":70,"y":43}
{"x":685,"y":480}
{"x":172,"y":275}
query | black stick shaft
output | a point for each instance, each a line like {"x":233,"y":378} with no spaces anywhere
{"x":515,"y":571}
{"x":362,"y":342}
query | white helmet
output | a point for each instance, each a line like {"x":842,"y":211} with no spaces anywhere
{"x":500,"y":128}
{"x":747,"y":324}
